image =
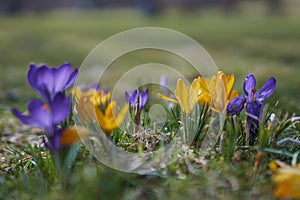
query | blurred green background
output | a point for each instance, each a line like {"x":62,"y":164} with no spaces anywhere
{"x":248,"y":38}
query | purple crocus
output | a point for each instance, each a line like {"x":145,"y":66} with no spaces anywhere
{"x":46,"y":116}
{"x":254,"y":102}
{"x":50,"y":81}
{"x":55,"y":107}
{"x":137,"y":97}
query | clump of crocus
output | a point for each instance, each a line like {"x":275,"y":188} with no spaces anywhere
{"x":254,"y":103}
{"x":217,"y":91}
{"x":55,"y":106}
{"x":137,"y":101}
{"x":93,"y":104}
{"x":87,"y":99}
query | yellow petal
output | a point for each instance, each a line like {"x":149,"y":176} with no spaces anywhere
{"x":287,"y":182}
{"x":203,"y":85}
{"x":219,"y":98}
{"x":73,"y":135}
{"x":110,"y":120}
{"x":230,"y":82}
{"x":233,"y":94}
{"x":167,"y":98}
{"x":101,"y":97}
{"x":204,"y":99}
{"x":182,"y":95}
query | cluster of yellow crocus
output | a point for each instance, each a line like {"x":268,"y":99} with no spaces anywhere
{"x":93,"y":104}
{"x":215,"y":91}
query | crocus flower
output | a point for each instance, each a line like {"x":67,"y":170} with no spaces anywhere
{"x":186,"y":97}
{"x":87,"y":99}
{"x":137,"y":97}
{"x":101,"y":97}
{"x":253,"y":99}
{"x":45,"y":116}
{"x":217,"y":91}
{"x":254,"y":102}
{"x":50,"y":81}
{"x":109,"y":119}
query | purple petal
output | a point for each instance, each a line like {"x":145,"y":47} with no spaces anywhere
{"x":41,"y":114}
{"x":31,"y":76}
{"x":249,"y":84}
{"x":143,"y":99}
{"x":267,"y":89}
{"x":61,"y":108}
{"x":45,"y":80}
{"x":131,"y":98}
{"x":61,"y":77}
{"x":236,"y":105}
{"x":254,"y":110}
{"x":23,"y":118}
{"x":72,"y":79}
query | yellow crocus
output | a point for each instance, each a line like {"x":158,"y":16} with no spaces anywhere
{"x":109,"y":120}
{"x":186,"y":96}
{"x":287,"y":181}
{"x":101,"y":97}
{"x":217,"y":91}
{"x":87,"y":100}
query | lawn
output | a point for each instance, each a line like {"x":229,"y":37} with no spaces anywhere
{"x":246,"y":41}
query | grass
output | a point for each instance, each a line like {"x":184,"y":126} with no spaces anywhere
{"x":248,"y":41}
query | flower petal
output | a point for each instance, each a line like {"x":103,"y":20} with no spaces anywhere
{"x":249,"y":84}
{"x":62,"y":76}
{"x":143,"y":99}
{"x":182,"y":95}
{"x":254,"y":110}
{"x":167,"y":98}
{"x":23,"y":118}
{"x":31,"y":76}
{"x":73,"y":135}
{"x":230,"y":81}
{"x":73,"y":78}
{"x":236,"y":105}
{"x":267,"y":89}
{"x":60,"y":108}
{"x":39,"y":115}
